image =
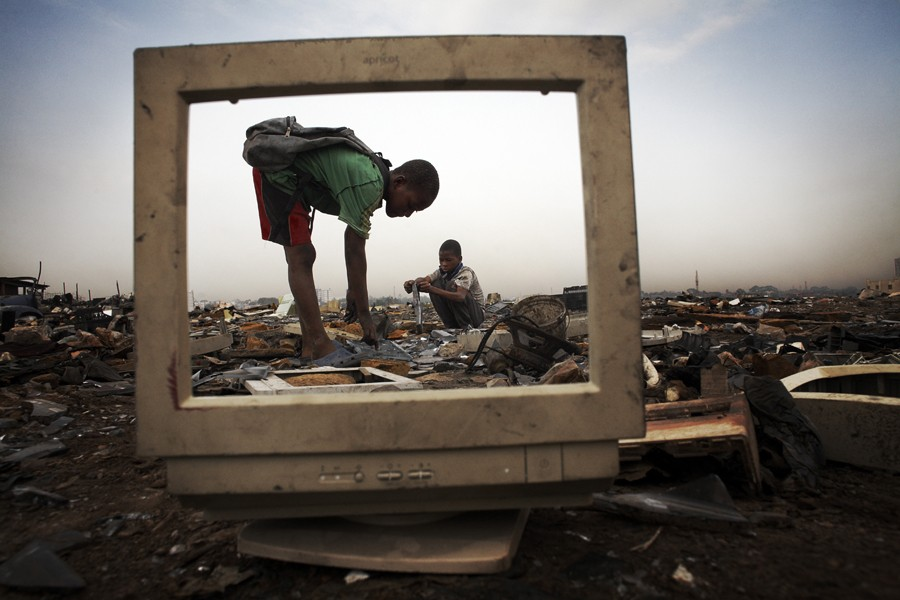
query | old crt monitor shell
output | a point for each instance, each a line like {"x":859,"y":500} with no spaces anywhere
{"x":394,"y":452}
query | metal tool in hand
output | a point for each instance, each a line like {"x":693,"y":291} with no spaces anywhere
{"x":417,"y":306}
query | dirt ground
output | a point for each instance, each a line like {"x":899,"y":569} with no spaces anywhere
{"x":839,"y":542}
{"x":107,"y":515}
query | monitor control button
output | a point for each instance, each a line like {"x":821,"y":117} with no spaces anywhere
{"x":389,"y":475}
{"x":420,"y":474}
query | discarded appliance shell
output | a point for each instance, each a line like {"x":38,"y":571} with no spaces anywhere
{"x":855,"y":409}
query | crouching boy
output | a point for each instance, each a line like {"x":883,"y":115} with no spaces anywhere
{"x":454,"y":289}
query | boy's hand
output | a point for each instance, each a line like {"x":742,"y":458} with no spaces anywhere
{"x":350,"y":312}
{"x":407,"y":285}
{"x":370,"y":333}
{"x":423,"y":284}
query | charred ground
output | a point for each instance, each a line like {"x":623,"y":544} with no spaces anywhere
{"x":106,"y":514}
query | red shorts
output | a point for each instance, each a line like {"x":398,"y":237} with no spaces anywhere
{"x":282,"y":219}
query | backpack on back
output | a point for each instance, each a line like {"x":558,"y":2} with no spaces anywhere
{"x":273,"y":144}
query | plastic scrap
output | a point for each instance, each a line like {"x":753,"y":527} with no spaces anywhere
{"x":40,"y":568}
{"x":704,"y":502}
{"x":784,"y":431}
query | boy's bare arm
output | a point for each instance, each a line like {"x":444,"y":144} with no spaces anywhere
{"x":418,"y":281}
{"x":358,"y":291}
{"x":457,"y":294}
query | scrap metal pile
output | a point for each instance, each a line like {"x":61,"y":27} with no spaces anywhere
{"x":715,"y":404}
{"x":698,"y":356}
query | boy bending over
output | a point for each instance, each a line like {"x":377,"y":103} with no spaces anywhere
{"x":335,"y":180}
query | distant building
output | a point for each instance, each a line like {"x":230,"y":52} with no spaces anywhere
{"x":887,"y":286}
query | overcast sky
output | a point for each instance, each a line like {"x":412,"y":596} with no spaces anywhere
{"x":766,"y":141}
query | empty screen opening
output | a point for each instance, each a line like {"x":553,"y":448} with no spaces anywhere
{"x":510,"y":193}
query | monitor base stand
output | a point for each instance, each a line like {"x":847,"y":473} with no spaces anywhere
{"x":464,"y":543}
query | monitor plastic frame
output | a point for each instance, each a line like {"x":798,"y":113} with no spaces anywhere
{"x":174,"y":423}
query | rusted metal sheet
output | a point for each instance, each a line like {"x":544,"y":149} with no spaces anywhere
{"x":718,"y":427}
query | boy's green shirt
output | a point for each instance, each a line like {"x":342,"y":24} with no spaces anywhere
{"x":344,"y":183}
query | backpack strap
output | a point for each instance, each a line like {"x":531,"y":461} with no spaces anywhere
{"x":383,"y":165}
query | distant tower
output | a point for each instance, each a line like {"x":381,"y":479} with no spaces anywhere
{"x":697,"y":280}
{"x":897,"y":267}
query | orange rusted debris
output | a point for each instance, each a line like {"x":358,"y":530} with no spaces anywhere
{"x":397,"y":367}
{"x":254,"y":343}
{"x":719,"y":427}
{"x":353,"y":328}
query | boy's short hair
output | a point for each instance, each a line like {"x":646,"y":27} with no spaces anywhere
{"x":422,"y":175}
{"x":451,"y":246}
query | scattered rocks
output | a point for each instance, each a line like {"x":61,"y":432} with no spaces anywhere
{"x":566,"y":371}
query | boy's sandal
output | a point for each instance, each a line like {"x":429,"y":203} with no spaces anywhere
{"x":339,"y":358}
{"x":308,"y":361}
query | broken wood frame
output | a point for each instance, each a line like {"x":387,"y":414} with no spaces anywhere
{"x":368,"y":379}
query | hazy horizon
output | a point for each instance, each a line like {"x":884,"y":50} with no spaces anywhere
{"x":765,"y":144}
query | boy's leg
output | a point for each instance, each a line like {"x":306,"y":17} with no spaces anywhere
{"x":457,"y":315}
{"x":300,"y":259}
{"x":476,"y":310}
{"x":467,"y":312}
{"x":285,"y":221}
{"x":442,"y":308}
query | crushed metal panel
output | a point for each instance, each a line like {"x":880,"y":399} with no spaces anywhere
{"x":855,"y":410}
{"x":707,"y":427}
